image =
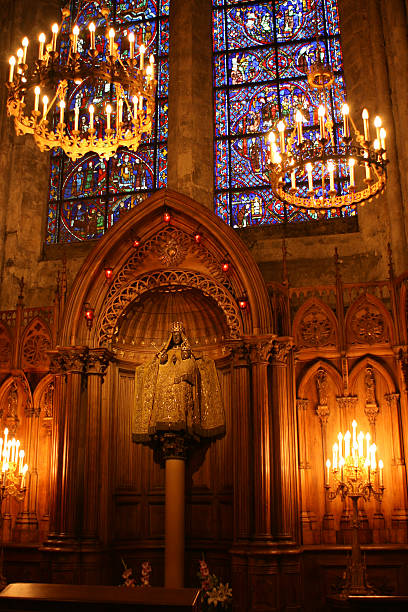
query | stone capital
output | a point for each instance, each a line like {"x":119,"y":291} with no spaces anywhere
{"x":173,"y":445}
{"x":97,"y":361}
{"x":240,"y":353}
{"x":346,"y":402}
{"x":280,"y":350}
{"x":323,"y":412}
{"x":71,"y":359}
{"x":302,"y":404}
{"x":392,"y":399}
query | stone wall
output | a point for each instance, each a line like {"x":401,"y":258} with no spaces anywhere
{"x":375,"y":55}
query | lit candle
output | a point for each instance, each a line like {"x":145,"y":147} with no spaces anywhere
{"x":341,"y":464}
{"x":62,"y":110}
{"x":12,"y":62}
{"x":111,"y":42}
{"x":360,"y":439}
{"x":54,"y":36}
{"x":92,"y":33}
{"x":281,"y":130}
{"x":347,"y":437}
{"x":76,"y":119}
{"x":383,"y":134}
{"x":378,"y":124}
{"x":41,"y":38}
{"x":293,"y":180}
{"x":132,"y":45}
{"x":381,"y":466}
{"x":328,"y":464}
{"x":134,"y":100}
{"x":108,"y":116}
{"x":352,"y":163}
{"x":20,"y":54}
{"x":1,"y":446}
{"x":24,"y":471}
{"x":149,"y":73}
{"x":366,"y":125}
{"x":335,"y":455}
{"x":142,"y":50}
{"x":91,"y":116}
{"x":330,"y":167}
{"x":309,"y":169}
{"x":345,"y":110}
{"x":373,"y":449}
{"x":355,"y":454}
{"x":272,"y":146}
{"x":45,"y":108}
{"x":75,"y":34}
{"x":299,"y":121}
{"x":340,"y":439}
{"x":354,"y":426}
{"x":322,"y":113}
{"x":20,"y":463}
{"x":24,"y":42}
{"x":120,"y":111}
{"x":367,"y":168}
{"x":367,"y":467}
{"x":140,"y":103}
{"x":368,"y":438}
{"x":12,"y":450}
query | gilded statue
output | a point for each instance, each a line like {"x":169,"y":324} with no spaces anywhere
{"x":177,"y":392}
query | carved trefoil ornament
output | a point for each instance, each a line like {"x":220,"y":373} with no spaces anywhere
{"x":315,"y":329}
{"x":36,"y":344}
{"x":368,"y":326}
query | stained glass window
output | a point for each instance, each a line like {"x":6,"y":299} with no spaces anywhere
{"x":262,"y":52}
{"x":87,"y":196}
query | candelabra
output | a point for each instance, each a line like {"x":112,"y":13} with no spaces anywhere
{"x":12,"y":482}
{"x":63,"y":78}
{"x":355,"y":475}
{"x":316,"y":165}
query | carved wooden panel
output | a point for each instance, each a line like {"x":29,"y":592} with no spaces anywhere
{"x":315,"y":326}
{"x":367,"y":323}
{"x":36,"y":343}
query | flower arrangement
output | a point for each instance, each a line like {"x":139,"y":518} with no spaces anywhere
{"x":214,"y":593}
{"x":130,"y":580}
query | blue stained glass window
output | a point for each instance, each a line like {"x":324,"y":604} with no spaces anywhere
{"x":262,"y":52}
{"x":88,"y":196}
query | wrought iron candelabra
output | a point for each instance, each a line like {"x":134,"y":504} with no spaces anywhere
{"x":355,"y":475}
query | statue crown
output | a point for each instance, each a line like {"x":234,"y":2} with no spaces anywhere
{"x":177,"y":326}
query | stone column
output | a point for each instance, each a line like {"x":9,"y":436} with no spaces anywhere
{"x":174,"y":451}
{"x":96,"y":364}
{"x":259,"y":357}
{"x":398,"y":475}
{"x":284,"y":446}
{"x":190,"y":142}
{"x":68,"y":482}
{"x":242,"y":428}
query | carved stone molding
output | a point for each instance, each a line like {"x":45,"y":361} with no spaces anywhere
{"x":260,"y":351}
{"x":117,"y":304}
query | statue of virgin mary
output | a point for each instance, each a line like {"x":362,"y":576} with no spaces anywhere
{"x":177,"y":392}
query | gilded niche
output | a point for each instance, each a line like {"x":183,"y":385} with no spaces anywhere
{"x":177,"y":392}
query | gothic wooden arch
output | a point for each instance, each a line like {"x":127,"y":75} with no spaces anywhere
{"x":35,"y":343}
{"x":24,"y":394}
{"x":310,"y":370}
{"x":145,"y":221}
{"x":332,"y":334}
{"x":376,"y":304}
{"x":378,"y":365}
{"x":39,"y":391}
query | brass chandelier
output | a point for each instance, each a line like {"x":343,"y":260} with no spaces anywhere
{"x":326,"y":167}
{"x":57,"y":77}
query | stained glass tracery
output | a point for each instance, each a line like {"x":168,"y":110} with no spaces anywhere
{"x":88,"y":196}
{"x":262,"y":52}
